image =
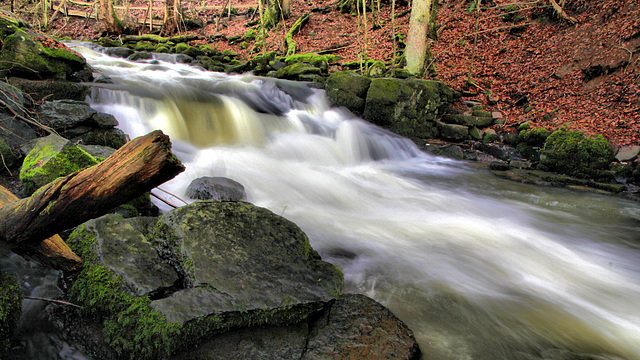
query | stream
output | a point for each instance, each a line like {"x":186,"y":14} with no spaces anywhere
{"x":478,"y":267}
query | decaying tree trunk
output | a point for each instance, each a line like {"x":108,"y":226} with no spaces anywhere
{"x":140,"y":165}
{"x":51,"y":252}
{"x":111,"y":20}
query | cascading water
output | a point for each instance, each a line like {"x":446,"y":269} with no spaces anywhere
{"x":478,"y":267}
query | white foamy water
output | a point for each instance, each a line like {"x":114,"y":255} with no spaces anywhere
{"x":478,"y":267}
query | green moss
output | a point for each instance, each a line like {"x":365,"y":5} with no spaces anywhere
{"x":533,"y":137}
{"x":576,"y":154}
{"x":131,"y":327}
{"x":182,"y":47}
{"x":10,"y":309}
{"x":43,"y":165}
{"x":249,"y":35}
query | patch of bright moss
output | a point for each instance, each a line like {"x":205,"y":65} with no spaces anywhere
{"x":44,"y":165}
{"x":131,"y":327}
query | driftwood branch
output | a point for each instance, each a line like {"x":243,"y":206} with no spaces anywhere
{"x":140,"y":165}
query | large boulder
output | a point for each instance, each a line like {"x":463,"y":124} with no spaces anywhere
{"x":71,"y":118}
{"x":215,"y":266}
{"x":577,"y":154}
{"x":353,"y":327}
{"x":357,"y":327}
{"x":348,"y":89}
{"x":407,"y":107}
{"x":30,"y":54}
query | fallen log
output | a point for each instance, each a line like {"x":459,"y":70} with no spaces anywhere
{"x":140,"y":165}
{"x":51,"y":252}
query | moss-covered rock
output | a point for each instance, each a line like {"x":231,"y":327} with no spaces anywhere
{"x":453,"y":132}
{"x":468,"y":120}
{"x":348,"y":89}
{"x":293,"y":71}
{"x":577,"y":154}
{"x":24,"y":54}
{"x":10,"y":309}
{"x":530,"y":141}
{"x":52,"y":157}
{"x":407,"y":107}
{"x":251,"y":268}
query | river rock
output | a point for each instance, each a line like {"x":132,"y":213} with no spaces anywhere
{"x":72,"y":118}
{"x":52,"y":157}
{"x":353,"y":327}
{"x":407,"y":107}
{"x":216,"y":188}
{"x":251,"y":260}
{"x":210,"y":267}
{"x":39,"y":90}
{"x":30,"y":54}
{"x":357,"y":327}
{"x":122,"y":247}
{"x":452,"y":132}
{"x":628,"y":153}
{"x":348,"y":89}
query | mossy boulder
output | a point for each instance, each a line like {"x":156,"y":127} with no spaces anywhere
{"x":452,"y":132}
{"x":468,"y":120}
{"x":348,"y":89}
{"x":407,"y":107}
{"x":52,"y":157}
{"x":293,"y":71}
{"x":530,"y":141}
{"x":209,"y":267}
{"x":28,"y":54}
{"x":576,"y":154}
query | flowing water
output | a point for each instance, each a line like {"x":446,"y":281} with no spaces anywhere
{"x":478,"y":267}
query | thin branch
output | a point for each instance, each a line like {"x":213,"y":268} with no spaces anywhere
{"x":60,"y":302}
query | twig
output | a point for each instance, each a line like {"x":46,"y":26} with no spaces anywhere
{"x":168,"y":193}
{"x":53,"y":301}
{"x":163,"y":200}
{"x":30,"y":121}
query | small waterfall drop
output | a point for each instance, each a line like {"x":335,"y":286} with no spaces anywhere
{"x":478,"y":267}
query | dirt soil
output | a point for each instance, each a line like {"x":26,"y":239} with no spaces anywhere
{"x":533,"y":67}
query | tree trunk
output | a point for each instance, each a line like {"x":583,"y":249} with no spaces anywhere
{"x":111,"y":20}
{"x":286,"y":9}
{"x":140,"y":165}
{"x":417,"y":42}
{"x":272,"y":13}
{"x":171,"y":16}
{"x":51,"y":252}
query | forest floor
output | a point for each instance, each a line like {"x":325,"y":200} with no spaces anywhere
{"x":527,"y":63}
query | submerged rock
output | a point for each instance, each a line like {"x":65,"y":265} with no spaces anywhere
{"x":216,"y":188}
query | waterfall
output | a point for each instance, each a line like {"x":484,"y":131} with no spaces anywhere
{"x":478,"y":267}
